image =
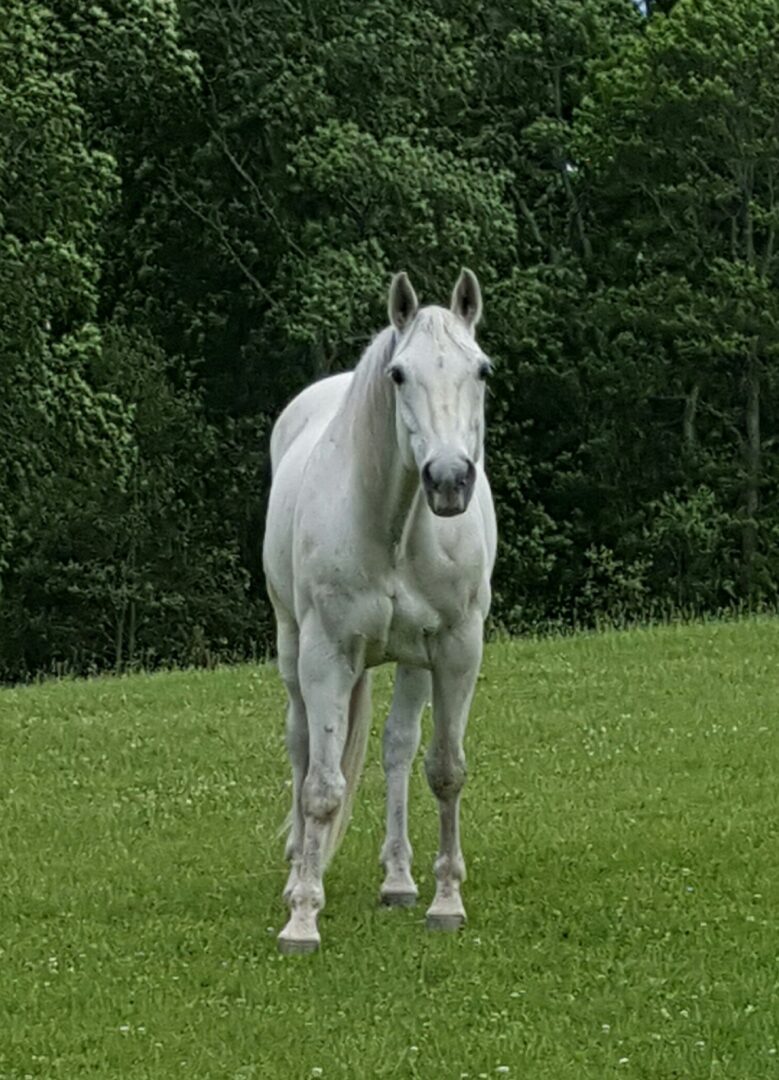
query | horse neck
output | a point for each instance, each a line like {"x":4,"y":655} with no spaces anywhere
{"x":384,"y":488}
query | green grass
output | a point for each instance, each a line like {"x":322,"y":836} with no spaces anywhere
{"x":620,"y":825}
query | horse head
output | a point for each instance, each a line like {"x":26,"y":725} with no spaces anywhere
{"x":439,"y":372}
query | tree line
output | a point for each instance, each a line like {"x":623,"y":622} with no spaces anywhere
{"x":201,"y":205}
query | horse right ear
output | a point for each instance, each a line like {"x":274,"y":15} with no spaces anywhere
{"x":403,"y":304}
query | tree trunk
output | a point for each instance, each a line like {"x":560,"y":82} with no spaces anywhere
{"x":751,"y":473}
{"x":573,"y":203}
{"x":689,"y":435}
{"x":119,"y":640}
{"x":131,"y":635}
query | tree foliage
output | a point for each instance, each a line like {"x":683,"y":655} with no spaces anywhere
{"x":54,"y":191}
{"x":201,"y":205}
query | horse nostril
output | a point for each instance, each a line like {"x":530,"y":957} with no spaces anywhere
{"x":466,"y":479}
{"x":427,"y":476}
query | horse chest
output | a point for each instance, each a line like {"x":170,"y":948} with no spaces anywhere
{"x":414,"y":622}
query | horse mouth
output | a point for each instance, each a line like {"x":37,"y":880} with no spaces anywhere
{"x":448,"y":504}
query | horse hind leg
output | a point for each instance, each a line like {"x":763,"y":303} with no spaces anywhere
{"x":401,"y":742}
{"x":454,"y":681}
{"x":297,"y":746}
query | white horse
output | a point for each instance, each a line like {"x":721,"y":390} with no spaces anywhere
{"x":379,"y":545}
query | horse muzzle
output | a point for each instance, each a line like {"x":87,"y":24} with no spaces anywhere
{"x":448,"y":481}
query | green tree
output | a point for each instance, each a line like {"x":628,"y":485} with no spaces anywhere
{"x":54,"y":191}
{"x":681,"y":141}
{"x":146,"y":571}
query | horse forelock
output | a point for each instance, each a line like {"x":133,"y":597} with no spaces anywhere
{"x":443,"y":328}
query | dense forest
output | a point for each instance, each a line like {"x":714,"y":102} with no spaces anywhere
{"x":201,"y":205}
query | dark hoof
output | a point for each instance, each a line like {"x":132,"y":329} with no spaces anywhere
{"x":447,"y":924}
{"x":398,"y":899}
{"x":290,"y":947}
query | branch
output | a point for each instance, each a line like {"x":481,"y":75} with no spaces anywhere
{"x":563,"y":168}
{"x":266,"y":207}
{"x":219,"y":228}
{"x":768,"y":254}
{"x":688,"y":419}
{"x":577,"y":213}
{"x":530,"y":218}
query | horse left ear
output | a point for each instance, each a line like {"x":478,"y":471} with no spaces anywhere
{"x":466,"y":298}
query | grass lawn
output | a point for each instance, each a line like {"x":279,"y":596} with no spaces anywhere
{"x":620,"y":826}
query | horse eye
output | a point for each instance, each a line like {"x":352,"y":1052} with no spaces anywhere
{"x":485,"y":370}
{"x":397,"y":376}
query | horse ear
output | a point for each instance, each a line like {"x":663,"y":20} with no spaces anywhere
{"x":403,"y":304}
{"x":466,"y":298}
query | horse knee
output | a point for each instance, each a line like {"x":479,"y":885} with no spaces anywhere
{"x":398,"y":747}
{"x":323,"y":794}
{"x":446,"y":775}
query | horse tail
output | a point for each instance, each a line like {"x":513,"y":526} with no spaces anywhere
{"x":352,"y":761}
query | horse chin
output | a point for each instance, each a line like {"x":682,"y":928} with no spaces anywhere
{"x":447,"y":505}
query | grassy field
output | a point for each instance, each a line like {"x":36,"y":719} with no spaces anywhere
{"x":620,"y":825}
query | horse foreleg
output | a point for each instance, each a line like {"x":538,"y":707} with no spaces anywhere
{"x":401,"y":742}
{"x":456,"y":666}
{"x":326,"y":684}
{"x":297,"y":741}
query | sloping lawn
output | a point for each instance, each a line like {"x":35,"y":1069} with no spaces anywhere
{"x":620,"y":826}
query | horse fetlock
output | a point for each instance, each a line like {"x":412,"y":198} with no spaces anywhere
{"x":292,"y":880}
{"x":450,"y":869}
{"x":323,"y":794}
{"x":307,"y":897}
{"x":395,"y":852}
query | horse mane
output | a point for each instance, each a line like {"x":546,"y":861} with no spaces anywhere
{"x":373,"y":361}
{"x":368,"y":403}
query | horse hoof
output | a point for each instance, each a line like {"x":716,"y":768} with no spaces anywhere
{"x":301,"y":947}
{"x":447,"y":924}
{"x":398,"y":899}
